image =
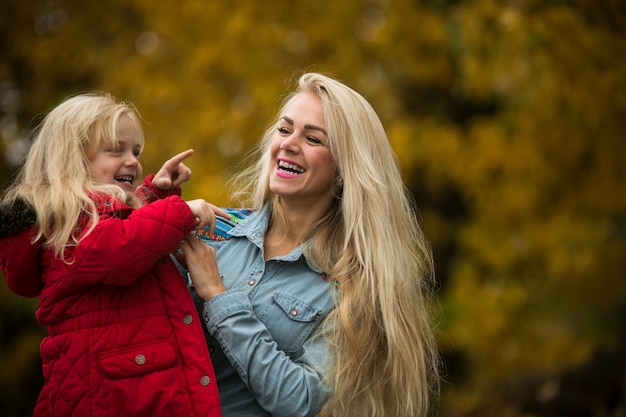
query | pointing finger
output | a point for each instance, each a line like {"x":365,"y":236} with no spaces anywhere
{"x":174,"y":161}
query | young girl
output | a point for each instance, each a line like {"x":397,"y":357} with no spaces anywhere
{"x":78,"y":230}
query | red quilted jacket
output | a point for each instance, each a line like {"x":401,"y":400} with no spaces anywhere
{"x":124,"y":337}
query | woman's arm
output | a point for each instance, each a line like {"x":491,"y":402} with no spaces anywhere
{"x":280,"y":384}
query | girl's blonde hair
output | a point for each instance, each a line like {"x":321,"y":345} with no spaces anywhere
{"x":384,"y":360}
{"x":55,"y":178}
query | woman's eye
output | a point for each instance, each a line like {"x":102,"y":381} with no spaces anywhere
{"x":283,"y":130}
{"x":313,"y":139}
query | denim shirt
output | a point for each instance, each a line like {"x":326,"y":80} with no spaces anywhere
{"x":263,"y":334}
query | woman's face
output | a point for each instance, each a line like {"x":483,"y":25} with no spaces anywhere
{"x":302,"y":165}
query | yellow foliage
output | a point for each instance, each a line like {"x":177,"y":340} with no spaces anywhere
{"x":507,"y":119}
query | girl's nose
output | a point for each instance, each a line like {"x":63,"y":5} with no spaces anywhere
{"x":132,"y":160}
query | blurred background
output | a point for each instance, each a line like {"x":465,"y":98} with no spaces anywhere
{"x":508,"y":118}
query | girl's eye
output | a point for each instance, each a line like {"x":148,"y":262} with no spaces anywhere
{"x":137,"y":153}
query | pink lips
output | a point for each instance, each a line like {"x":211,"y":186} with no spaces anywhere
{"x":283,"y":166}
{"x":284,"y":174}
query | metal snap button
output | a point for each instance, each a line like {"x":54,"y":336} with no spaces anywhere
{"x":205,"y":380}
{"x":187,"y":319}
{"x":140,"y":359}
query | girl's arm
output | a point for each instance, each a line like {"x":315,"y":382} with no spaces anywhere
{"x":19,"y":261}
{"x":118,"y":250}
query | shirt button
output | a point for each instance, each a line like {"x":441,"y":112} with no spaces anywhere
{"x":252,"y":282}
{"x":206,"y":317}
{"x":211,"y":349}
{"x":140,"y":359}
{"x":205,"y":380}
{"x":293,"y":312}
{"x":187,"y":319}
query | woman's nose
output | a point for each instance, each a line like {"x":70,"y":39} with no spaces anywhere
{"x":289,"y":144}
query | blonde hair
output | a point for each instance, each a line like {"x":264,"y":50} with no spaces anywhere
{"x":384,"y":360}
{"x":55,"y":179}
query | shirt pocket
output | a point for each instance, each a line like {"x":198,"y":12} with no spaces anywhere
{"x":290,"y":321}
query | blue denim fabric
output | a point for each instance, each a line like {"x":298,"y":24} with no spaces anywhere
{"x":267,"y":349}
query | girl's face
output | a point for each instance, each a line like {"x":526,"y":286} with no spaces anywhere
{"x":120,"y":166}
{"x":303,"y":166}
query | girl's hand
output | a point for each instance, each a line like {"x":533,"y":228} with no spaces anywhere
{"x":173,"y":172}
{"x":205,"y":214}
{"x":202,"y":266}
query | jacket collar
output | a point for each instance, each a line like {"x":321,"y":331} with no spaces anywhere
{"x":106,"y":203}
{"x":15,"y":217}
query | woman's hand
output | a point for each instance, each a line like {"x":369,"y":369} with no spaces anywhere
{"x":202,"y":266}
{"x":173,"y":172}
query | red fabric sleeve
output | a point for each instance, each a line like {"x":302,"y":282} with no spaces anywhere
{"x":19,"y":260}
{"x":118,"y":251}
{"x":148,"y":192}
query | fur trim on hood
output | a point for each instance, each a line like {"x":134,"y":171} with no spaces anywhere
{"x":15,"y":218}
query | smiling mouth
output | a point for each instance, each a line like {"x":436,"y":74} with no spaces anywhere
{"x":290,"y":168}
{"x":127,"y":179}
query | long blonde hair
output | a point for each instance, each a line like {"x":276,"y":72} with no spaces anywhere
{"x":55,"y":180}
{"x":384,"y":360}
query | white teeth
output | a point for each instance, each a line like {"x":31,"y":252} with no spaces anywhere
{"x":124,"y":179}
{"x":290,"y":167}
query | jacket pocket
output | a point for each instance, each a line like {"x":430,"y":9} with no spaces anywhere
{"x":138,"y":360}
{"x":144,"y":380}
{"x":290,"y":320}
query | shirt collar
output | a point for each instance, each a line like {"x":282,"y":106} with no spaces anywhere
{"x":254,"y":227}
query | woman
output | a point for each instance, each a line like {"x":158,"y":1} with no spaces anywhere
{"x":321,"y":306}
